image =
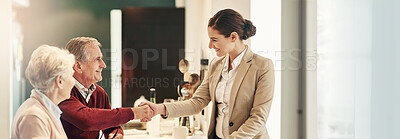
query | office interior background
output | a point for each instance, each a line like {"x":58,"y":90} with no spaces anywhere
{"x":337,"y":62}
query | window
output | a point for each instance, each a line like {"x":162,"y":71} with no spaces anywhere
{"x":358,"y":63}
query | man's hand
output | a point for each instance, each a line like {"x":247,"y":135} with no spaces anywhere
{"x":144,"y":113}
{"x":157,"y":108}
{"x":118,"y":136}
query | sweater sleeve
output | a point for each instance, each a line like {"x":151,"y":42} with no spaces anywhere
{"x":92,"y":119}
{"x":114,"y":130}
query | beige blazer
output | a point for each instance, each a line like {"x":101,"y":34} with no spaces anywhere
{"x":250,"y":98}
{"x":34,"y":120}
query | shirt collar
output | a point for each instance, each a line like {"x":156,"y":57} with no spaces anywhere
{"x":53,"y":108}
{"x":79,"y":86}
{"x":236,"y":61}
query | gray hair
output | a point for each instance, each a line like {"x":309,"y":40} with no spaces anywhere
{"x":46,"y":63}
{"x":78,"y":47}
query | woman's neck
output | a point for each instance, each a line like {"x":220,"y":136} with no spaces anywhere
{"x":54,"y":97}
{"x":240,"y":47}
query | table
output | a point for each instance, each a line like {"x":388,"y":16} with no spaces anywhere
{"x":142,"y":134}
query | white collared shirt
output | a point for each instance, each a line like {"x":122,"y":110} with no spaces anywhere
{"x":53,"y":108}
{"x":85,"y":92}
{"x":223,"y":92}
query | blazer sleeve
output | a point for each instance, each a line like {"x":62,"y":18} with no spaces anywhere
{"x":92,"y":119}
{"x":31,"y":126}
{"x":261,"y":104}
{"x":194,"y":105}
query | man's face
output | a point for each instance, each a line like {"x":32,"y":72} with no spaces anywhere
{"x":91,"y":69}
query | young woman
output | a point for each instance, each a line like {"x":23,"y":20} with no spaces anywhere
{"x":240,"y":84}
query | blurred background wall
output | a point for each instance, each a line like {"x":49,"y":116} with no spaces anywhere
{"x":6,"y":63}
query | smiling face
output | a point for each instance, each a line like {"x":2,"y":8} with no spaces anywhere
{"x":89,"y":71}
{"x":221,"y":44}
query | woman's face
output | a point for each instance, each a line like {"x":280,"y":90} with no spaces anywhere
{"x":221,"y":44}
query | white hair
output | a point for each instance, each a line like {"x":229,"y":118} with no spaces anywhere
{"x":46,"y":63}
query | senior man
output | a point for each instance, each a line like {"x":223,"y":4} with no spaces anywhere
{"x":87,"y":113}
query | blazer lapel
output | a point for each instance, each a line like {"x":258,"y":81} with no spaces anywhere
{"x":215,"y":77}
{"x":241,"y":72}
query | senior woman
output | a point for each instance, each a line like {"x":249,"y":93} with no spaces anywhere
{"x":50,"y":73}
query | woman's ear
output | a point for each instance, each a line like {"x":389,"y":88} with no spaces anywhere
{"x":77,"y":67}
{"x":234,"y":36}
{"x":59,"y":82}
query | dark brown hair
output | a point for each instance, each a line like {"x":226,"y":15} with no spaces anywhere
{"x":227,"y":21}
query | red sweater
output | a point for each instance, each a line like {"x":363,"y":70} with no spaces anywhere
{"x":85,"y":120}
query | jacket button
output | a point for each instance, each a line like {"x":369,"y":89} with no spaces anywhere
{"x":231,"y":124}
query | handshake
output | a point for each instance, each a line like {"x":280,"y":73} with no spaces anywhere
{"x":146,"y":110}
